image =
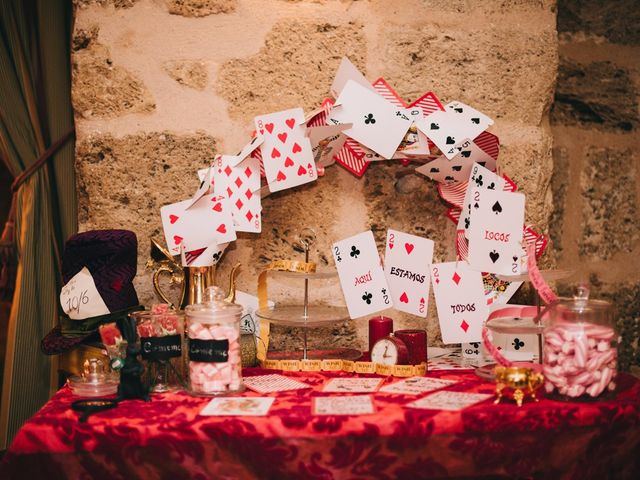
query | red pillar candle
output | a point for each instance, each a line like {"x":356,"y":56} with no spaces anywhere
{"x":379,"y":327}
{"x":416,"y":342}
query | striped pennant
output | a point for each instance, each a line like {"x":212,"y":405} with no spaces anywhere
{"x":489,"y":143}
{"x":352,"y":157}
{"x":388,"y":93}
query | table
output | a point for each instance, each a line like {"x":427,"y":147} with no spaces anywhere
{"x":166,"y":438}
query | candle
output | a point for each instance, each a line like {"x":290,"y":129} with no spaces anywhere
{"x":379,"y":327}
{"x":416,"y":342}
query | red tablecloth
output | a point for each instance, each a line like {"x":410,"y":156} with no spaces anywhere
{"x":166,"y":438}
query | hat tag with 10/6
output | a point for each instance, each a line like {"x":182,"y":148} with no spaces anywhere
{"x":80,"y":298}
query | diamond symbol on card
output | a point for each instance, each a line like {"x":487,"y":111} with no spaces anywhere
{"x":437,"y":280}
{"x":249,"y":216}
{"x":238,"y":182}
{"x":239,"y":204}
{"x":464,"y":326}
{"x":247,"y":172}
{"x":248,"y":194}
{"x":456,"y":278}
{"x":228,"y":170}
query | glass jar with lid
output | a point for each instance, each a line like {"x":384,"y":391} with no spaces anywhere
{"x":580,"y":347}
{"x":213,"y":336}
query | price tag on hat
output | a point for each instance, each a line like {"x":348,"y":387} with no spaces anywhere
{"x":80,"y":298}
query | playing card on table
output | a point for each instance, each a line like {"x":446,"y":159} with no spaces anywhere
{"x":206,"y":222}
{"x":495,"y":235}
{"x":416,"y":385}
{"x":286,"y":150}
{"x":361,"y":276}
{"x":238,"y":406}
{"x":446,"y":400}
{"x":247,"y":150}
{"x":479,"y":177}
{"x":460,"y":302}
{"x":406,"y":267}
{"x":326,"y":142}
{"x":458,"y":169}
{"x":273,"y":383}
{"x":377,"y":124}
{"x":352,"y":405}
{"x":520,"y":348}
{"x":240,"y":184}
{"x":352,"y":385}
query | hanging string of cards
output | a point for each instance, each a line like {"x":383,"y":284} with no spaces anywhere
{"x":366,"y":122}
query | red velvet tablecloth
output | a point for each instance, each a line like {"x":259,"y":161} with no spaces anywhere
{"x":166,"y":438}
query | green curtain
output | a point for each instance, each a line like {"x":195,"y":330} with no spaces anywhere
{"x":35,"y":111}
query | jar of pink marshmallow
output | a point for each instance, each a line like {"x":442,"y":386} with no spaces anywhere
{"x":213,"y":335}
{"x":580,"y":348}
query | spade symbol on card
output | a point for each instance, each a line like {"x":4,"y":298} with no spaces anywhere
{"x":456,"y":168}
{"x":466,"y":153}
{"x":369,"y":120}
{"x":494,"y":256}
{"x":367,"y":298}
{"x":515,"y":259}
{"x":475,"y":120}
{"x":475,"y":205}
{"x":434,"y":170}
{"x":449,"y":178}
{"x":467,"y":222}
{"x":497,"y":208}
{"x":451,"y":140}
{"x":404,"y":298}
{"x":354,"y":252}
{"x":458,"y":109}
{"x":435,"y":126}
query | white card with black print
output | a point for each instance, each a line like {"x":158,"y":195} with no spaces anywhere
{"x":362,"y":279}
{"x":480,"y":177}
{"x":495,"y":235}
{"x":459,"y":168}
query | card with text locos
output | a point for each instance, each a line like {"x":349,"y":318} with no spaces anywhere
{"x":362,"y":279}
{"x":460,"y":301}
{"x":406,"y":266}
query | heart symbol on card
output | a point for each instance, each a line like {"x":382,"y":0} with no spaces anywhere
{"x":261,"y":131}
{"x":281,"y":176}
{"x":269,"y":127}
{"x":301,"y":170}
{"x":217,"y":207}
{"x":288,"y":162}
{"x":408,"y":247}
{"x":296,"y":148}
{"x":283,"y":137}
{"x":466,"y":153}
{"x":222,"y":228}
{"x":450,"y":140}
{"x":275,"y":153}
{"x":435,"y":126}
{"x":290,"y":122}
{"x":177,"y":239}
{"x":494,"y":256}
{"x":390,"y":246}
{"x":173,"y":219}
{"x":497,"y":208}
{"x":475,"y":120}
{"x":404,"y":298}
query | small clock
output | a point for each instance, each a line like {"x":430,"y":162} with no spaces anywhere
{"x":390,"y":351}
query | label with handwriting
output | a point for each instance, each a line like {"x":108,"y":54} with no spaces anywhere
{"x":80,"y":298}
{"x":216,"y":351}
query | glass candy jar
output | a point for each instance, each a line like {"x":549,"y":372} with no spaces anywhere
{"x":580,"y":347}
{"x":161,"y":334}
{"x":213,"y":335}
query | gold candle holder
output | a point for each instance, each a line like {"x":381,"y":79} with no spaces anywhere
{"x":519,"y":382}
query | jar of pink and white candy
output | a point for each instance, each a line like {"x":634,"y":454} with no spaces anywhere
{"x":580,"y":348}
{"x":213,"y":333}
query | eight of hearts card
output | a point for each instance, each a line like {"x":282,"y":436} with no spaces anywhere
{"x":406,"y":267}
{"x":362,"y":279}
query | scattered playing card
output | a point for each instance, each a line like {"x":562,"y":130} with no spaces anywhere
{"x":452,"y":401}
{"x":352,"y":385}
{"x":519,"y":348}
{"x":480,"y":177}
{"x":326,"y":142}
{"x":203,"y":257}
{"x":406,"y":267}
{"x":249,"y":323}
{"x":352,"y":405}
{"x":459,"y":167}
{"x":238,"y":406}
{"x":472,"y":350}
{"x":460,"y":302}
{"x":348,"y":71}
{"x":361,"y":277}
{"x":273,"y":383}
{"x":377,"y":124}
{"x":416,"y":385}
{"x":286,"y":150}
{"x":495,"y":234}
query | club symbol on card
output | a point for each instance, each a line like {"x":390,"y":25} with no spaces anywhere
{"x":354,"y":252}
{"x":466,"y":153}
{"x":491,"y":186}
{"x":435,"y":126}
{"x":451,"y":140}
{"x":475,"y":120}
{"x":464,"y":326}
{"x":497,"y":208}
{"x":217,"y":255}
{"x":367,"y":298}
{"x":369,"y":120}
{"x":479,"y":181}
{"x":494,"y":256}
{"x":517,"y":343}
{"x":456,"y":278}
{"x":404,"y":298}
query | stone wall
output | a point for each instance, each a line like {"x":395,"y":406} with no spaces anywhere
{"x":596,"y":180}
{"x":160,"y":86}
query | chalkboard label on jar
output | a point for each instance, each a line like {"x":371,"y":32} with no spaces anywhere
{"x":209,"y":350}
{"x":161,"y":348}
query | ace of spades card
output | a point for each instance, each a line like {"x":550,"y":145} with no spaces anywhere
{"x":239,"y":184}
{"x":377,"y":124}
{"x":286,"y":150}
{"x":495,"y":235}
{"x":406,"y":267}
{"x":480,"y":177}
{"x":362,"y":279}
{"x":460,"y":302}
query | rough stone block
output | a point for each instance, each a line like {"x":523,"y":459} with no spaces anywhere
{"x":616,"y":21}
{"x":610,"y":217}
{"x":115,"y":3}
{"x":189,"y":73}
{"x":487,"y":68}
{"x":307,"y":53}
{"x":598,"y":94}
{"x":559,"y":185}
{"x":102,"y":89}
{"x":200,"y":8}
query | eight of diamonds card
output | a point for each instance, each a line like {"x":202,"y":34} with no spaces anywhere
{"x":460,"y":301}
{"x":361,"y":277}
{"x":406,"y":266}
